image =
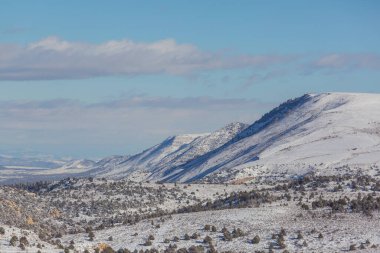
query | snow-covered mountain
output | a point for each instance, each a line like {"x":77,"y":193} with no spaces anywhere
{"x":312,"y":132}
{"x":158,"y":161}
{"x":196,"y":148}
{"x":321,"y":133}
{"x":122,"y":166}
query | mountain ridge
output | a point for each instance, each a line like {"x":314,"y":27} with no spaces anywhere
{"x":174,"y":150}
{"x":324,"y":113}
{"x":251,"y":144}
{"x":311,"y":133}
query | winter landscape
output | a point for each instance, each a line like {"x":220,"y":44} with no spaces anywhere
{"x":221,"y":128}
{"x":304,"y":177}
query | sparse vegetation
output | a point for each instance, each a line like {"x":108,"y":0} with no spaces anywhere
{"x":319,"y":198}
{"x":256,"y":239}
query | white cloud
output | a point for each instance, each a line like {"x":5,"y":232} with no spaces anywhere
{"x":53,"y":58}
{"x":345,"y":62}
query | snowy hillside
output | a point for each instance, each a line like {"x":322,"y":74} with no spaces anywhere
{"x":157,"y":162}
{"x":119,"y":167}
{"x":321,"y":133}
{"x":307,"y":133}
{"x":196,"y":148}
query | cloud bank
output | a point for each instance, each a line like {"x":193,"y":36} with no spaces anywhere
{"x":53,"y":58}
{"x":347,"y":62}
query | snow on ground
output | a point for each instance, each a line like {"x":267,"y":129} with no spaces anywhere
{"x":130,"y":197}
{"x":32,"y":238}
{"x":339,"y":232}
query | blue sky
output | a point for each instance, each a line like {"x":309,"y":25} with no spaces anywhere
{"x":95,"y":78}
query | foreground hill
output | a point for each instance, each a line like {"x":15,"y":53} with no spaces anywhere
{"x":310,"y":214}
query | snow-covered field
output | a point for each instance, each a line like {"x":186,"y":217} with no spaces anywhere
{"x":279,"y":207}
{"x":78,"y":198}
{"x":35,"y":243}
{"x":339,"y":232}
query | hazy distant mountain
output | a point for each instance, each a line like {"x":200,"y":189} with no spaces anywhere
{"x":35,"y":161}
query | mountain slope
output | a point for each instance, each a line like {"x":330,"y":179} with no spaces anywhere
{"x":324,"y":130}
{"x":320,"y":133}
{"x":119,"y":167}
{"x":158,"y":162}
{"x":196,"y":148}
